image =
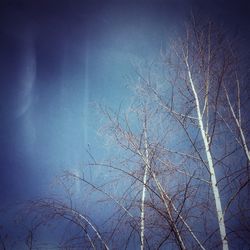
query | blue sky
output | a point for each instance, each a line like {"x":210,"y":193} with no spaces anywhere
{"x":58,"y":61}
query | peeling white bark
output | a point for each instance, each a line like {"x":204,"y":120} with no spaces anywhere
{"x":215,"y":189}
{"x":145,"y":176}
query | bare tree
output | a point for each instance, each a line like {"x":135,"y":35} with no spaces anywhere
{"x":134,"y":137}
{"x":149,"y":201}
{"x":195,"y":71}
{"x":169,"y":154}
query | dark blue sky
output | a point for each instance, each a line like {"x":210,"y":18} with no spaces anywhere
{"x":58,"y":58}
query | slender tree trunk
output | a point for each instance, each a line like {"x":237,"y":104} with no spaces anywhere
{"x":145,"y":176}
{"x":143,"y":206}
{"x":238,"y":123}
{"x":205,"y":139}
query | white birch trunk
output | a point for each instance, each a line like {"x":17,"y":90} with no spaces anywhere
{"x":147,"y":167}
{"x":215,"y":189}
{"x":145,"y":176}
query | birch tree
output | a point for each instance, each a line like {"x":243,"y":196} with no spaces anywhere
{"x":141,"y":132}
{"x":193,"y":91}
